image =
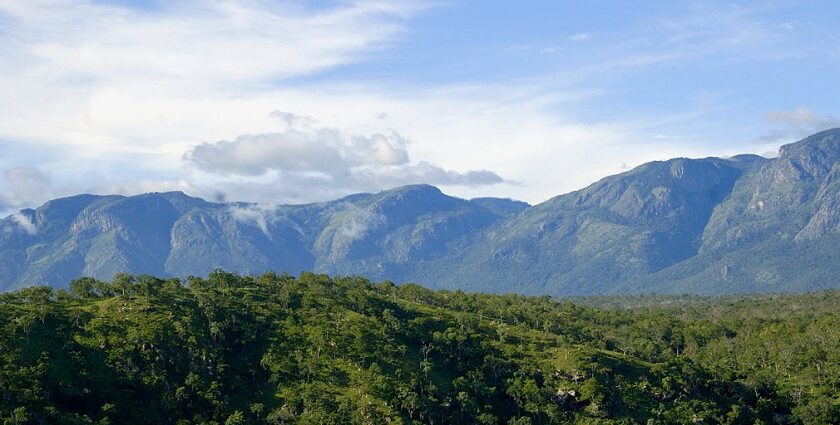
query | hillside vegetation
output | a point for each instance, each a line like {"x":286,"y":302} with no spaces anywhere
{"x":277,"y":349}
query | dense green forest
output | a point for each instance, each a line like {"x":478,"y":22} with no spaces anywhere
{"x":312,"y":349}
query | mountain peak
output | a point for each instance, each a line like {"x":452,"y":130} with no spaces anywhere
{"x":171,"y":193}
{"x":416,"y":188}
{"x":811,"y":157}
{"x":421,"y":195}
{"x":827,"y":139}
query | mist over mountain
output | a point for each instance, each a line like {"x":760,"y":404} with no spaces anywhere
{"x":712,"y":225}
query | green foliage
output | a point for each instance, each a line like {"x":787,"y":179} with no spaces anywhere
{"x":277,"y":349}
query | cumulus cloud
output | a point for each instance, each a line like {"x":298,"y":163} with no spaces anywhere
{"x":301,"y":147}
{"x":307,"y":155}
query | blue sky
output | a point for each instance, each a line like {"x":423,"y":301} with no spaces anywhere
{"x":284,"y":101}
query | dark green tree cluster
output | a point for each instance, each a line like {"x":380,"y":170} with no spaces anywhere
{"x":312,"y":349}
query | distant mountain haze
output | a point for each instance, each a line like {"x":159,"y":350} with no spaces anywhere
{"x":709,"y":226}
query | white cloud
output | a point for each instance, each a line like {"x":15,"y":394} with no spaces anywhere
{"x":354,"y":222}
{"x":802,"y":118}
{"x":293,"y":121}
{"x":260,"y":215}
{"x":324,"y":158}
{"x":302,"y":147}
{"x":200,"y":42}
{"x":25,"y":223}
{"x":793,"y":125}
{"x":581,"y":36}
{"x":22,"y":185}
{"x":83,"y":73}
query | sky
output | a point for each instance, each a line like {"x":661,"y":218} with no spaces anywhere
{"x":295,"y":101}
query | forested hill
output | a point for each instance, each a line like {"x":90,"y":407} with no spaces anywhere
{"x":703,"y":226}
{"x":319,"y":350}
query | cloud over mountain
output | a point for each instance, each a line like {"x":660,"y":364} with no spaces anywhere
{"x":802,"y":119}
{"x":796,"y":123}
{"x":306,"y":153}
{"x":302,"y":147}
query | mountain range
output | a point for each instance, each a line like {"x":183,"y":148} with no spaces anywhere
{"x":707,"y":226}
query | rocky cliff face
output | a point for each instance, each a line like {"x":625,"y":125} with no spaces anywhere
{"x":778,"y":228}
{"x":709,"y":225}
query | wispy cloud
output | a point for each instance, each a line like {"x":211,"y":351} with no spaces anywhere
{"x":86,"y":68}
{"x":354,"y":222}
{"x":802,"y":119}
{"x":260,"y":215}
{"x":795,"y":124}
{"x":197,"y":43}
{"x":581,"y":36}
{"x":25,"y":223}
{"x":22,"y":185}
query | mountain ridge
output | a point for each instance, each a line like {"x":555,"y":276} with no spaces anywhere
{"x":709,"y":225}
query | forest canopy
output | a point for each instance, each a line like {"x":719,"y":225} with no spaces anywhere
{"x":279,"y":349}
